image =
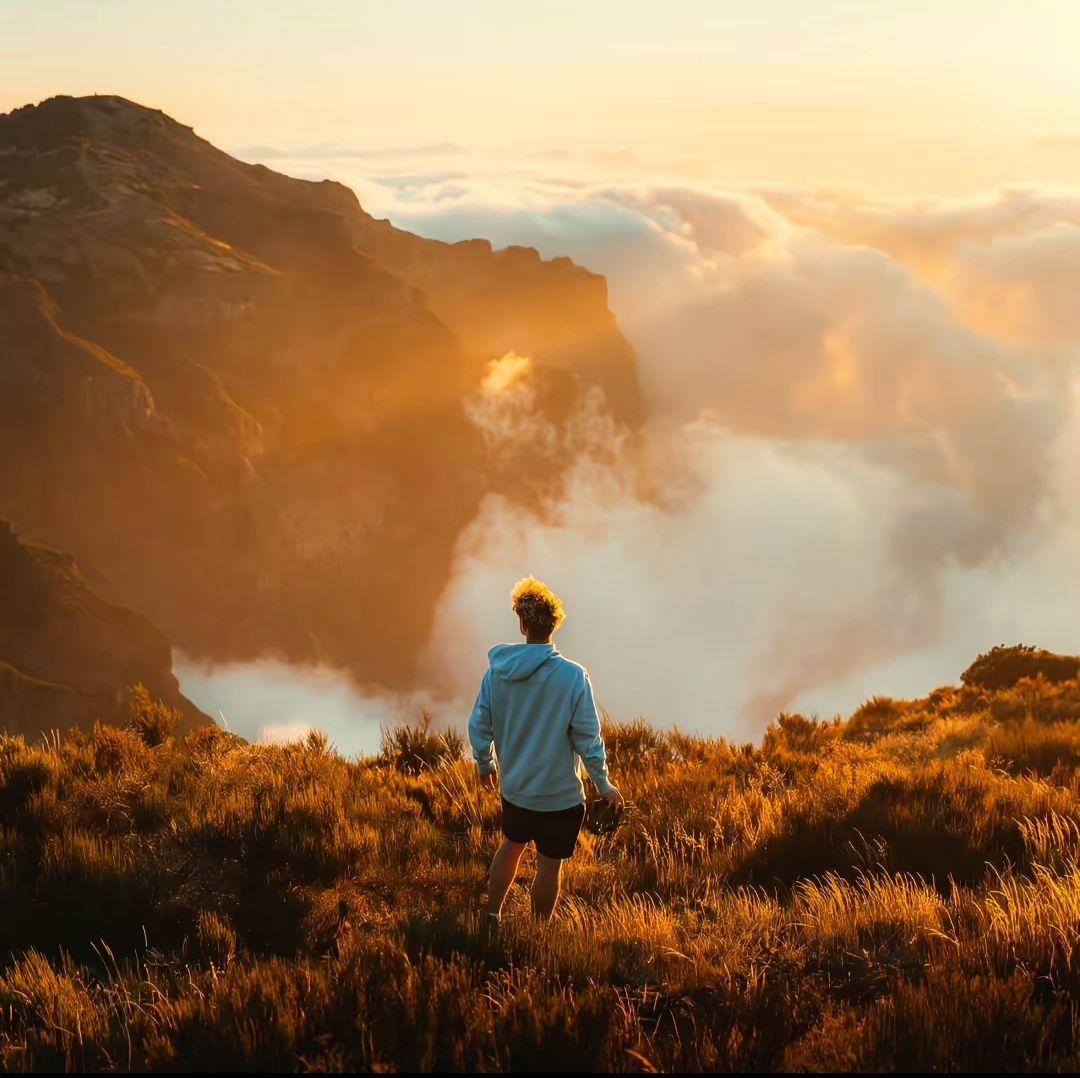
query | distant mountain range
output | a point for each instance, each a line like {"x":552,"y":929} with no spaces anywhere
{"x":236,"y":399}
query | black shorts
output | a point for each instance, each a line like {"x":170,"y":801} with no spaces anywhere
{"x":555,"y":833}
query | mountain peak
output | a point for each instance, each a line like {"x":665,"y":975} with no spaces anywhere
{"x":102,"y":116}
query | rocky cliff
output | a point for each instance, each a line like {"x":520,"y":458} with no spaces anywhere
{"x":237,"y":399}
{"x":66,"y":655}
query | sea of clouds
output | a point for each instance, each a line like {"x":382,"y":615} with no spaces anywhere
{"x":860,"y":466}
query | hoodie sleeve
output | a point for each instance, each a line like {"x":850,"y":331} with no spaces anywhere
{"x":481,"y":728}
{"x":585,"y":734}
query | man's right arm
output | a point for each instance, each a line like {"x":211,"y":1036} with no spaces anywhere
{"x":482,"y":729}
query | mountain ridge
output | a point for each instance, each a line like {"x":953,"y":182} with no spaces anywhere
{"x":238,"y":399}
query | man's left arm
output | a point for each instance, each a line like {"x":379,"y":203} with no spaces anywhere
{"x":588,"y":742}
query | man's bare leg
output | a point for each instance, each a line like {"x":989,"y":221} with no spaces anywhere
{"x":504,"y":866}
{"x":545,"y":888}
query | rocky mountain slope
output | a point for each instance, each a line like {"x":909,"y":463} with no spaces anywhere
{"x":67,"y":656}
{"x":237,"y":399}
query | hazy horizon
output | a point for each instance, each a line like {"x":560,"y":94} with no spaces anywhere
{"x":920,"y":98}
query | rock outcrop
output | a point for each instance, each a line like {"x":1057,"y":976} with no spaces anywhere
{"x":68,"y":657}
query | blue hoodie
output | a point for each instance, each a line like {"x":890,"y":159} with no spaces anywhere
{"x":537,"y":707}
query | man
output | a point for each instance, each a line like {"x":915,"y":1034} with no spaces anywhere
{"x":536,"y":708}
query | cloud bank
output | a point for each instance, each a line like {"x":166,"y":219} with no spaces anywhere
{"x":869,"y":413}
{"x":272,"y":701}
{"x":860,"y":463}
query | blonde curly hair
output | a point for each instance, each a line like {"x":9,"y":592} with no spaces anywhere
{"x":537,"y":605}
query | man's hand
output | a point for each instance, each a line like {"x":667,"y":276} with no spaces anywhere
{"x":489,"y":781}
{"x":615,"y":799}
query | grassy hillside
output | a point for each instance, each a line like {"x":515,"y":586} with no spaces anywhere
{"x":899,"y":890}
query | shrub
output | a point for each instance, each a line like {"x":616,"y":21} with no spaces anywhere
{"x":1002,"y":667}
{"x":1032,"y":746}
{"x":796,"y":733}
{"x":412,"y":748}
{"x":116,"y":750}
{"x":881,"y":715}
{"x":632,"y":746}
{"x":147,"y":716}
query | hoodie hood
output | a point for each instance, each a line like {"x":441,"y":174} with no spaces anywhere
{"x":516,"y":662}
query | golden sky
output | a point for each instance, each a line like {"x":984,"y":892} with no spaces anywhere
{"x":869,"y":395}
{"x":899,"y":98}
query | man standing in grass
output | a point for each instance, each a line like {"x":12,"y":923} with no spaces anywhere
{"x":536,"y":709}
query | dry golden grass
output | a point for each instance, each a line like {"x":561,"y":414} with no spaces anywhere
{"x":900,"y":890}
